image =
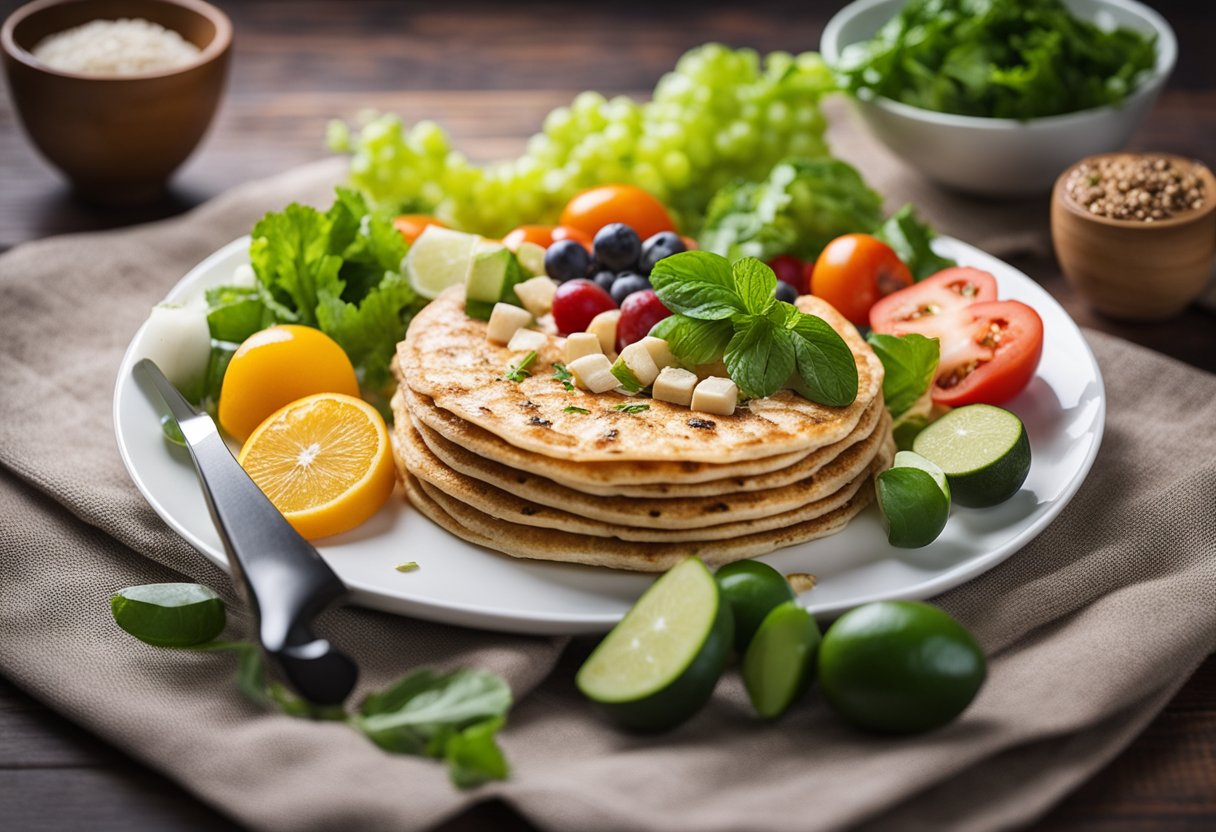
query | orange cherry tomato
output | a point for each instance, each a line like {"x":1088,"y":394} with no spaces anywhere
{"x":689,"y":243}
{"x":854,"y":272}
{"x":591,"y":210}
{"x":544,"y":236}
{"x":411,"y":226}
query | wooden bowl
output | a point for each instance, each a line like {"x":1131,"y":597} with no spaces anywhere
{"x":118,"y":138}
{"x":1131,"y":269}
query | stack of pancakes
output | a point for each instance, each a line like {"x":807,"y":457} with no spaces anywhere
{"x":537,"y":470}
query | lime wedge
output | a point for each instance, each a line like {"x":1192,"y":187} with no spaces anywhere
{"x":660,"y":664}
{"x":439,"y":258}
{"x":751,"y":589}
{"x":911,"y":459}
{"x":780,"y":662}
{"x":983,"y":450}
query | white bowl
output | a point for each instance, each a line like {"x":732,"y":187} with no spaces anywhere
{"x":1002,"y":156}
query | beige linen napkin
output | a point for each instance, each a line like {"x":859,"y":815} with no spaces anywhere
{"x":1090,"y":628}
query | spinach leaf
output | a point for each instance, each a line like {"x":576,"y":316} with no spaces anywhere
{"x":169,"y":615}
{"x":910,"y":363}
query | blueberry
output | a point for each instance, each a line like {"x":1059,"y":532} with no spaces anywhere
{"x":617,"y":247}
{"x":566,"y":260}
{"x":626,"y":284}
{"x":786,"y":292}
{"x":604,"y":280}
{"x":663,"y":244}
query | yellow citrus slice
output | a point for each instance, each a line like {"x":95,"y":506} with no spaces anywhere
{"x":325,"y":461}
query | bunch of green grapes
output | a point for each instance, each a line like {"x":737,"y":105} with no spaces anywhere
{"x":722,"y":114}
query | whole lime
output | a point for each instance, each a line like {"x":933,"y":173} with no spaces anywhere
{"x":899,"y":667}
{"x":751,"y":589}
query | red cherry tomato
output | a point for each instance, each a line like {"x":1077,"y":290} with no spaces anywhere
{"x":576,"y":303}
{"x":639,"y":313}
{"x":854,"y":271}
{"x":591,"y":210}
{"x":789,"y":269}
{"x":990,"y":349}
{"x":544,"y":236}
{"x":411,"y":226}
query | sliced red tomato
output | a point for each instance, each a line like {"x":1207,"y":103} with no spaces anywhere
{"x":990,"y":349}
{"x":854,"y":272}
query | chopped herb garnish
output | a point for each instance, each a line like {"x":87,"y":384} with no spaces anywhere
{"x":563,"y":375}
{"x":632,"y":408}
{"x":573,"y":409}
{"x":407,"y":567}
{"x":519,"y":372}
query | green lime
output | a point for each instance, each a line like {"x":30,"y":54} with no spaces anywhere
{"x":910,"y":459}
{"x":440,"y":258}
{"x":780,"y":662}
{"x":660,"y":664}
{"x":899,"y":666}
{"x":751,"y":589}
{"x":984,"y":451}
{"x":914,"y":509}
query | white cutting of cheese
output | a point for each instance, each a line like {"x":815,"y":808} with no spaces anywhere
{"x":505,"y":320}
{"x":527,"y":340}
{"x":593,"y":372}
{"x":579,"y":344}
{"x":715,"y":395}
{"x":537,"y":294}
{"x":674,"y":385}
{"x":603,"y":326}
{"x":637,"y":358}
{"x":659,"y":351}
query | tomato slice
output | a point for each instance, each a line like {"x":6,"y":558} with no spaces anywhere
{"x":990,"y":349}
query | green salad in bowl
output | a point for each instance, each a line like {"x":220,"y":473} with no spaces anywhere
{"x":998,"y":96}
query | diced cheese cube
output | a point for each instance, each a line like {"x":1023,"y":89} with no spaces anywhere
{"x":674,"y":385}
{"x":637,"y":358}
{"x":603,"y":326}
{"x":527,"y":340}
{"x":537,"y":294}
{"x":504,"y":321}
{"x":660,"y":353}
{"x":579,"y":344}
{"x":715,"y":395}
{"x":593,"y":372}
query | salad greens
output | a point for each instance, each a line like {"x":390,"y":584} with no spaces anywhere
{"x":338,"y":270}
{"x":730,"y":311}
{"x":910,"y":239}
{"x":452,"y":716}
{"x":722,"y":114}
{"x":999,"y":59}
{"x":801,"y":206}
{"x":909,"y":362}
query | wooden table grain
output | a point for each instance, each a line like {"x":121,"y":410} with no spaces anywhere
{"x":489,"y":72}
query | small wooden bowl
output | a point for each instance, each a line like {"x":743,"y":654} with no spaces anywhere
{"x":118,"y":138}
{"x":1131,"y":269}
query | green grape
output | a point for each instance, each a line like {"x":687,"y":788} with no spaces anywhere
{"x":720,"y":115}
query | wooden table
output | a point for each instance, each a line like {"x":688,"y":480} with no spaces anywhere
{"x":487,"y":72}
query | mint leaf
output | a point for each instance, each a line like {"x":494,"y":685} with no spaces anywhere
{"x":560,"y":373}
{"x":910,"y":239}
{"x":910,"y":362}
{"x":473,"y":757}
{"x":169,"y":615}
{"x":756,"y":284}
{"x":760,"y":357}
{"x":692,"y":341}
{"x":519,"y":372}
{"x":827,"y":370}
{"x":571,"y":408}
{"x":236,"y":312}
{"x":631,"y":408}
{"x":697,"y":284}
{"x":291,"y":257}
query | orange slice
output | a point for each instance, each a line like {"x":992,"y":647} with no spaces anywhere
{"x":325,"y":461}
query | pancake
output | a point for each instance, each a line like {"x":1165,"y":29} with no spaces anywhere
{"x":446,"y":357}
{"x":520,"y":482}
{"x":606,"y":475}
{"x":531,"y":500}
{"x":547,"y":544}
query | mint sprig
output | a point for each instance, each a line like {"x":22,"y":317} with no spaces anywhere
{"x":731,"y":312}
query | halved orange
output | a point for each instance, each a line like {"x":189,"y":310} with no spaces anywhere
{"x":325,"y":461}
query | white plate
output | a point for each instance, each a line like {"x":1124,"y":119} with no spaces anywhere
{"x":1063,"y":408}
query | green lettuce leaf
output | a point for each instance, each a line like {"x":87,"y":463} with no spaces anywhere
{"x":910,"y":362}
{"x":910,"y":239}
